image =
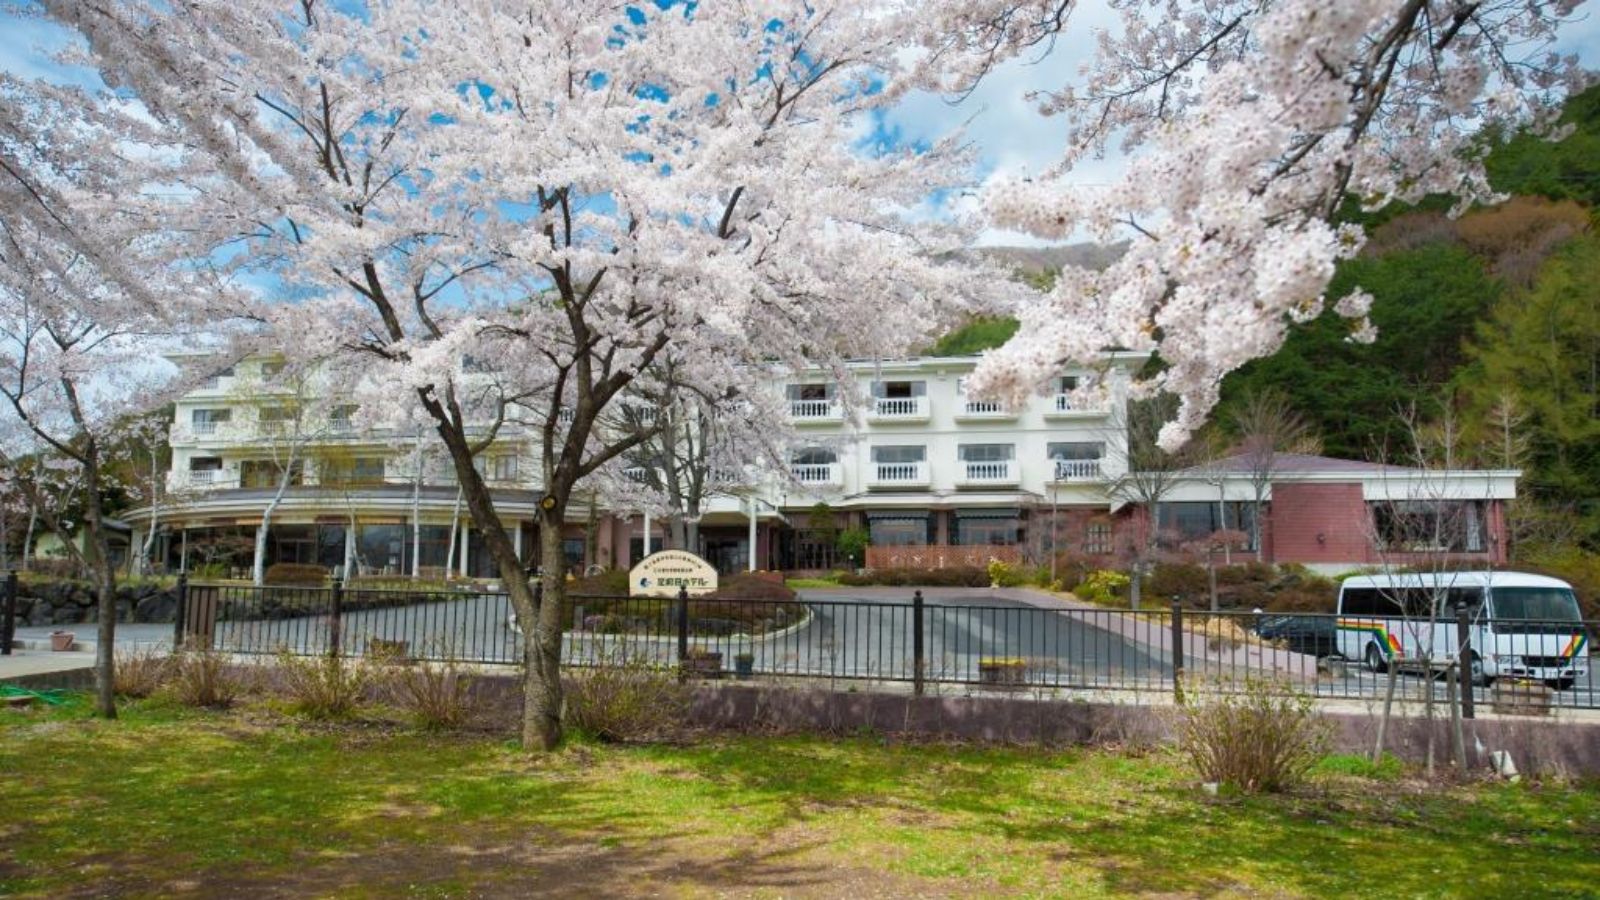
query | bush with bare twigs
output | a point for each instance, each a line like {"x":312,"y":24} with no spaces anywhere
{"x":627,"y":697}
{"x":1256,"y":735}
{"x":140,"y":673}
{"x":437,"y":695}
{"x":205,"y":678}
{"x":325,"y":686}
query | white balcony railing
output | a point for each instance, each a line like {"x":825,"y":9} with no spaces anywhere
{"x":1064,"y":406}
{"x":984,"y":409}
{"x":906,"y":474}
{"x":206,"y":429}
{"x":815,"y":473}
{"x":636,"y":474}
{"x":814,"y":410}
{"x":903,"y":408}
{"x":202,"y":479}
{"x":989,"y":472}
{"x":1078,"y":470}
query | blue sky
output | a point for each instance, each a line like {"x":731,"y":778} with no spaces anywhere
{"x":1010,"y":136}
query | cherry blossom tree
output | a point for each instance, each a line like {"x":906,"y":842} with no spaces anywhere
{"x":508,"y":212}
{"x":1252,"y":124}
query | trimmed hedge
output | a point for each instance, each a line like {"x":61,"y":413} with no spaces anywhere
{"x":299,"y":574}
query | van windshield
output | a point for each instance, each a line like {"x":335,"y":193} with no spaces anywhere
{"x":1538,"y":608}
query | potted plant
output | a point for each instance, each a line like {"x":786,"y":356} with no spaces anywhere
{"x":1003,"y":670}
{"x":744,"y":664}
{"x":703,"y":662}
{"x":62,"y":640}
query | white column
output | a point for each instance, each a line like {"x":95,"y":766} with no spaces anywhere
{"x":466,"y":545}
{"x":516,"y":539}
{"x":646,"y":534}
{"x":183,"y":557}
{"x":752,"y":567}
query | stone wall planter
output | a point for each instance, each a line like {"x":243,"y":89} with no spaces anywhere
{"x":1520,"y":698}
{"x":1003,"y":671}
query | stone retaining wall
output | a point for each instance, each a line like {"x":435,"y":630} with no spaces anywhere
{"x":72,"y":602}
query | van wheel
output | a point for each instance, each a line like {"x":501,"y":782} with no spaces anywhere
{"x":1560,"y":684}
{"x":1375,"y":660}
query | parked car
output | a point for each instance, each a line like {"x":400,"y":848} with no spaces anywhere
{"x":1312,"y":635}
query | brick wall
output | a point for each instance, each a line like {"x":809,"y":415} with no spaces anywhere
{"x":1319,"y":523}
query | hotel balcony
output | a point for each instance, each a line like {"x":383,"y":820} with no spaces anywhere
{"x":816,"y":412}
{"x":1000,"y":473}
{"x":889,"y":410}
{"x":890,"y":476}
{"x":1078,"y":470}
{"x":983,"y":410}
{"x":816,"y":474}
{"x":1061,"y":406}
{"x":202,"y":479}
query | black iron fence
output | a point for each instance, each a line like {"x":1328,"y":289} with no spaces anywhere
{"x":927,"y":643}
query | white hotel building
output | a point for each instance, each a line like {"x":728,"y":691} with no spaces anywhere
{"x":938,"y":479}
{"x":921,"y":465}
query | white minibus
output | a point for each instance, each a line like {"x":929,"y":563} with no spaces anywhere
{"x":1520,"y":625}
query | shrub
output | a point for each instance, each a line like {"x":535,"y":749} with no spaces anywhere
{"x":1256,"y":736}
{"x":205,"y":678}
{"x":436,"y":695}
{"x":325,"y":686}
{"x":613,"y":583}
{"x":1101,"y":587}
{"x":1175,"y":579}
{"x":295,"y":574}
{"x":852,"y":544}
{"x":1000,"y":572}
{"x":627,"y":697}
{"x":140,"y":673}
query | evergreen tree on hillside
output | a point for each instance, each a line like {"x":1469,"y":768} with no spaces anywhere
{"x":1563,"y":170}
{"x":1543,"y":346}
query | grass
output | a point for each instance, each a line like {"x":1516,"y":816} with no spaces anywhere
{"x":167,"y":799}
{"x":818,"y":582}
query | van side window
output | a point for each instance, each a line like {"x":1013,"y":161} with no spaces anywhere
{"x":1366,"y":602}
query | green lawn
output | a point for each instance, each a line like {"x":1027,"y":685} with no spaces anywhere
{"x":168,"y":801}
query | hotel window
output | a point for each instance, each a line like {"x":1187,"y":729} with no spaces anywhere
{"x":1419,"y":526}
{"x":899,"y":390}
{"x":271,"y":369}
{"x":1076,"y":450}
{"x":1066,"y":384}
{"x":205,"y":421}
{"x":810,"y":392}
{"x":900,"y":453}
{"x":986,"y":452}
{"x":503,"y":468}
{"x":266,"y":473}
{"x":359,"y":471}
{"x":814,"y":456}
{"x":900,"y":528}
{"x":978,"y":527}
{"x":1187,"y":521}
{"x":1097,"y":538}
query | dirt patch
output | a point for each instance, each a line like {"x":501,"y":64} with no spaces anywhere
{"x":533,"y":865}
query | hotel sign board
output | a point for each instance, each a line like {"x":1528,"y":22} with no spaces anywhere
{"x":661,"y":574}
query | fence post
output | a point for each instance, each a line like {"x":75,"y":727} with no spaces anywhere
{"x":182,"y":612}
{"x":918,"y":653}
{"x":8,"y":625}
{"x":683,"y":626}
{"x":334,"y":610}
{"x":1464,"y":660}
{"x":1177,"y":651}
